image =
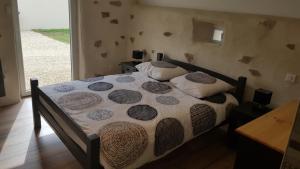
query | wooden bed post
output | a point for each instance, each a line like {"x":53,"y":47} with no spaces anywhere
{"x":34,"y":83}
{"x":240,"y":91}
{"x":93,"y":152}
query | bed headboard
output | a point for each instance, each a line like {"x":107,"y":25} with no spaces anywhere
{"x":240,"y":83}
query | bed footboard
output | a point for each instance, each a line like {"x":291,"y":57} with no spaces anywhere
{"x":88,"y":158}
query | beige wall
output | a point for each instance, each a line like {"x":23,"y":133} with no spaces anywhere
{"x":244,"y":36}
{"x":7,"y":55}
{"x":94,"y":28}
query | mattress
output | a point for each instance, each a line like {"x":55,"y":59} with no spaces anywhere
{"x":138,"y":119}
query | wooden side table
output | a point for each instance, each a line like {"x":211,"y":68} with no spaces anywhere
{"x":129,"y":67}
{"x":241,"y":115}
{"x":263,"y":141}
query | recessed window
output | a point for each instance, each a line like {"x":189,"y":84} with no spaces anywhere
{"x":218,"y":35}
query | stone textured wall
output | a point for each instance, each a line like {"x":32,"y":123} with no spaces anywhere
{"x":104,"y":37}
{"x":8,"y":56}
{"x":261,"y":48}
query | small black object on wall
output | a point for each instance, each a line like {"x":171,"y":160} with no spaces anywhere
{"x":2,"y":89}
{"x":262,"y":97}
{"x":160,"y":56}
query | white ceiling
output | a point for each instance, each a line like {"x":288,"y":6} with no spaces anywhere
{"x":286,"y":8}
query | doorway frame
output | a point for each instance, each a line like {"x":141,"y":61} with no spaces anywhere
{"x":74,"y":43}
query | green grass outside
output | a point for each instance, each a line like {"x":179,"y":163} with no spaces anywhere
{"x":62,"y":35}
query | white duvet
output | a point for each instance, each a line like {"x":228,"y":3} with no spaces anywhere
{"x":138,"y":119}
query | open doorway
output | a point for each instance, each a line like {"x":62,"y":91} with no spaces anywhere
{"x":45,"y":38}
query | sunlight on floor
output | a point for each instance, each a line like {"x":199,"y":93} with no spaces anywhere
{"x":8,"y":150}
{"x":16,"y":146}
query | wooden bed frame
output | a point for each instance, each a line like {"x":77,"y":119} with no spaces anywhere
{"x":89,"y":158}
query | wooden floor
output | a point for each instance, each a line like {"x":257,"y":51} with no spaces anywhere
{"x":21,"y":147}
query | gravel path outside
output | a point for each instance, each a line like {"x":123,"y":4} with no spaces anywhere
{"x":46,"y":59}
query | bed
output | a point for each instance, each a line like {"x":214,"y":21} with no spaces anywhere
{"x":128,"y":120}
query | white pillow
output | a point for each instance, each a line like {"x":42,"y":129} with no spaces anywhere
{"x":143,"y":67}
{"x":162,"y":71}
{"x":200,"y":85}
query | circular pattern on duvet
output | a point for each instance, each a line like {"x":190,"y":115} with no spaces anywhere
{"x":100,"y":86}
{"x":169,"y":134}
{"x":203,"y":118}
{"x":125,"y":79}
{"x":142,"y":112}
{"x":218,"y":98}
{"x":199,"y":77}
{"x":162,"y":64}
{"x":156,"y":87}
{"x":167,"y":100}
{"x":122,"y":143}
{"x":64,"y":88}
{"x":79,"y":100}
{"x":125,"y":96}
{"x":99,"y":115}
{"x":93,"y":79}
